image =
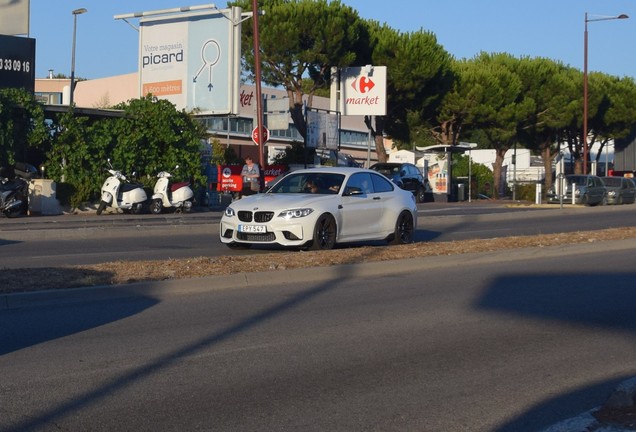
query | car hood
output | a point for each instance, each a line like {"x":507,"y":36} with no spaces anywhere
{"x":272,"y":201}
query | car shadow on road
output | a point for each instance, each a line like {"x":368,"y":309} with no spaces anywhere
{"x":8,"y":242}
{"x":589,"y":300}
{"x":23,"y":328}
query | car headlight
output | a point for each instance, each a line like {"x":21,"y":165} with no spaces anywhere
{"x":551,"y":192}
{"x":229,"y":212}
{"x":611,"y":193}
{"x":577,"y":192}
{"x":295,"y":213}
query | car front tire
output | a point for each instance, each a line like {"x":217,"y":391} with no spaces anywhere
{"x":324,"y":237}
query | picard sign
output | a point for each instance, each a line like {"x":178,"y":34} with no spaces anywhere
{"x":363,"y":90}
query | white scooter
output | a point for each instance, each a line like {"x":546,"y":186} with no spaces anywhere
{"x":171,"y":195}
{"x":118,"y":193}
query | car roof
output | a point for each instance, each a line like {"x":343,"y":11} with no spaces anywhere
{"x":333,"y":170}
{"x":389,"y":164}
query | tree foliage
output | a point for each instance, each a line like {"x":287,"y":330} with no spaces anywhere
{"x":22,"y":126}
{"x":418,"y":75}
{"x":151,"y":136}
{"x":300,"y":40}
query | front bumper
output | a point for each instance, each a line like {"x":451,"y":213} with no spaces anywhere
{"x":275,"y":232}
{"x":567,"y":199}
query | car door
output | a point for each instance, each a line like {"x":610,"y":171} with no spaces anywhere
{"x":409,"y":178}
{"x":595,"y":190}
{"x":631,"y":190}
{"x":361,"y":208}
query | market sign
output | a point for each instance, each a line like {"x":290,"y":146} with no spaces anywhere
{"x":360,"y":91}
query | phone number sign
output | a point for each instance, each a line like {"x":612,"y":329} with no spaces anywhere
{"x":17,"y":62}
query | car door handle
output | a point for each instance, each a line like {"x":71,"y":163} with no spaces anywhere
{"x":376,"y":198}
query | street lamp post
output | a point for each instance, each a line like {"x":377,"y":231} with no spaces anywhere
{"x":585,"y":146}
{"x":76,"y":12}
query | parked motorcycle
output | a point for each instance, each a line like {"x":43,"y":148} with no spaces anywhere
{"x":14,"y":192}
{"x":178,"y":195}
{"x":119,"y":193}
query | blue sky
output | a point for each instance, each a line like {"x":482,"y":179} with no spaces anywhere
{"x":541,"y":28}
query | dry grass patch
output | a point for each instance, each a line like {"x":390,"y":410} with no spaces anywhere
{"x":122,"y":272}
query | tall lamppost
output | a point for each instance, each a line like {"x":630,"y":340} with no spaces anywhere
{"x":76,"y":12}
{"x":585,"y":150}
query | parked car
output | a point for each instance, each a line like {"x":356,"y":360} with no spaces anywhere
{"x":407,"y":176}
{"x":588,"y":190}
{"x":320,"y":207}
{"x":620,"y":190}
{"x":336,"y":158}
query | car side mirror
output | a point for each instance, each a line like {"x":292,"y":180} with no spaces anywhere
{"x":352,"y":190}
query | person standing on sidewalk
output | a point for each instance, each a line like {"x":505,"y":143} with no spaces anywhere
{"x":251,"y":177}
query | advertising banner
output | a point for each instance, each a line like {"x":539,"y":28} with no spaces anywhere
{"x":322,"y":130}
{"x":192,"y":60}
{"x":230,"y":179}
{"x":363,"y":90}
{"x":17,"y":62}
{"x":438,"y":173}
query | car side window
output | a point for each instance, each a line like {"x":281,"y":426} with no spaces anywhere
{"x":381,"y":184}
{"x":360,"y":183}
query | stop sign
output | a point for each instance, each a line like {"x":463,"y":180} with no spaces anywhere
{"x":256,"y":138}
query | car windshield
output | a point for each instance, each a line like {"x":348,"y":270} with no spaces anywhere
{"x":309,"y":182}
{"x":612,"y":181}
{"x":578,"y":180}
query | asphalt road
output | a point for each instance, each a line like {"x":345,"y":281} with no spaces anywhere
{"x":510,"y":341}
{"x":89,"y":239}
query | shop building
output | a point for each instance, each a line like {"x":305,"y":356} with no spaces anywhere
{"x":233,"y":130}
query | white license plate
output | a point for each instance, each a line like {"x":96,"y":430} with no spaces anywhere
{"x":252,"y":228}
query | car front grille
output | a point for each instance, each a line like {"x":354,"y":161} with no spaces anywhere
{"x":267,"y":237}
{"x":259,"y":216}
{"x":245,"y":216}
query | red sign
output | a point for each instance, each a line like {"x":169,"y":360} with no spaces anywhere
{"x":255,"y":136}
{"x":230,"y":179}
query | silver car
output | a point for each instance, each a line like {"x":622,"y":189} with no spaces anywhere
{"x":620,"y":190}
{"x":588,"y":190}
{"x":317,"y":208}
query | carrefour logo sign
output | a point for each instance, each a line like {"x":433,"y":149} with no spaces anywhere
{"x":363,"y":90}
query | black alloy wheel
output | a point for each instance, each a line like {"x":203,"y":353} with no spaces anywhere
{"x":324,"y":233}
{"x":404,"y":229}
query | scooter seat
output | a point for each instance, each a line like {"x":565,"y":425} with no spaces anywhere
{"x":179,"y":185}
{"x":127,"y":187}
{"x":10,"y":185}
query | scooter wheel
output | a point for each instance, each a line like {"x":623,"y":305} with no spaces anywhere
{"x":155,"y":206}
{"x":102,"y":206}
{"x":137,"y":208}
{"x":187,"y":207}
